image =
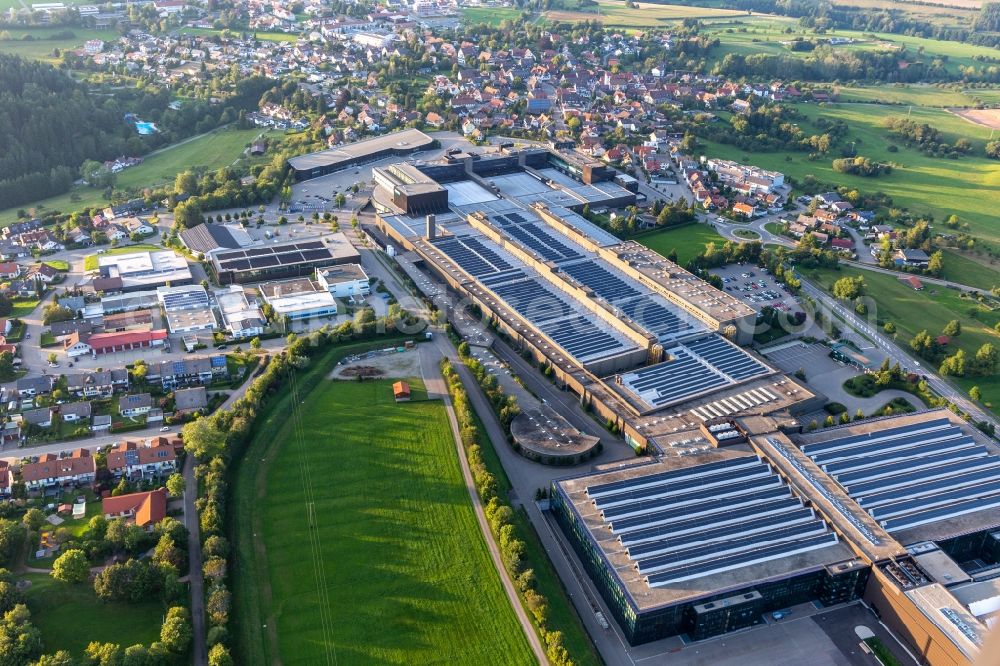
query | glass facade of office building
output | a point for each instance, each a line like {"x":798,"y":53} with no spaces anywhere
{"x":710,"y":615}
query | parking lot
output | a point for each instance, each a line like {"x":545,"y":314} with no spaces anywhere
{"x":755,"y":287}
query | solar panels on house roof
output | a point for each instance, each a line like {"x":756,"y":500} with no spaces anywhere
{"x":700,"y":520}
{"x":914,"y":474}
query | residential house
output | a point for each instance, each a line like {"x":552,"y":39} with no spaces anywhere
{"x":41,"y":417}
{"x":912,"y":258}
{"x":6,"y":479}
{"x":75,"y":411}
{"x":51,"y":470}
{"x":135,"y":405}
{"x":28,"y":387}
{"x":9,"y":270}
{"x":745,"y":210}
{"x":144,"y":509}
{"x":155,"y":457}
{"x":190,"y":399}
{"x":197,"y":371}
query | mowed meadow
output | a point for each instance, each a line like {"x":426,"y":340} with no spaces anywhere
{"x":357,"y":540}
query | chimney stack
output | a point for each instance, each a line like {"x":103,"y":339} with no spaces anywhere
{"x":431,"y":227}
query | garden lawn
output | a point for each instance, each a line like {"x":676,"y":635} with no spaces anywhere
{"x":23,"y":307}
{"x":71,"y":616}
{"x":689,"y":240}
{"x":400,"y":563}
{"x":90,"y":261}
{"x":933,"y":307}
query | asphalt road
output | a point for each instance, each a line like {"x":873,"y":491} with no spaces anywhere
{"x":897,"y":355}
{"x":196,"y":579}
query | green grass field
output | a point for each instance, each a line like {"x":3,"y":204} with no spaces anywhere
{"x":920,"y":95}
{"x":405,"y":576}
{"x":748,"y":35}
{"x":912,"y":311}
{"x":70,"y":616}
{"x":42,"y":47}
{"x":920,"y":183}
{"x":689,"y":240}
{"x":210,"y":151}
{"x":490,"y":15}
{"x":644,"y":15}
{"x":262,"y":36}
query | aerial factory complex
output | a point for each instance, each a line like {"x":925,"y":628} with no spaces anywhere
{"x":737,"y":511}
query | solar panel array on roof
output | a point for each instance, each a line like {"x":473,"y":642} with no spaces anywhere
{"x":693,"y":368}
{"x":185,"y":300}
{"x":534,"y":303}
{"x":700,"y":520}
{"x":275,"y":255}
{"x":581,"y":338}
{"x":657,"y":318}
{"x":911,"y":475}
{"x":605,"y":284}
{"x":541,"y":241}
{"x":474,"y":257}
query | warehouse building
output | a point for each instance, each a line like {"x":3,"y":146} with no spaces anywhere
{"x":141,"y":271}
{"x":239,"y":317}
{"x":900,"y":511}
{"x":702,"y":545}
{"x":325,"y":162}
{"x":206,"y":238}
{"x":281,"y":260}
{"x":299,"y":300}
{"x":186,"y":308}
{"x":348,"y":281}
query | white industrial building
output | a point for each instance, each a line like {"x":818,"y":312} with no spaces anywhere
{"x":344,"y":281}
{"x":299,"y":299}
{"x":186,"y":308}
{"x":239,"y":317}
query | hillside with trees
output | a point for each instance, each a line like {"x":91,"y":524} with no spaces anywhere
{"x":51,"y":125}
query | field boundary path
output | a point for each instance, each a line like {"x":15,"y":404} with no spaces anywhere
{"x":196,"y":579}
{"x":434,"y":382}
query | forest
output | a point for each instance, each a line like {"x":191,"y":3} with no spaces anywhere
{"x":50,"y":124}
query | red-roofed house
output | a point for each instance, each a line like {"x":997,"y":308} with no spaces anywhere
{"x":744,"y":209}
{"x":140,"y":460}
{"x":51,"y":470}
{"x":144,"y":509}
{"x":913,"y":282}
{"x":9,"y":270}
{"x":6,"y":479}
{"x":843,"y":244}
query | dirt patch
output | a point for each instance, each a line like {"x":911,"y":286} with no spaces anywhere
{"x":985,"y":117}
{"x":379,"y":364}
{"x":362,"y":371}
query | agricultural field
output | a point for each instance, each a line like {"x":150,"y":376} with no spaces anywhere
{"x":933,"y":307}
{"x":489,"y":15}
{"x":989,"y":96}
{"x":262,"y":36}
{"x":209,"y":151}
{"x":42,"y":46}
{"x":918,"y":182}
{"x":366,"y":539}
{"x":70,"y":616}
{"x":689,"y":241}
{"x":918,"y":95}
{"x":644,"y":15}
{"x":750,"y":35}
